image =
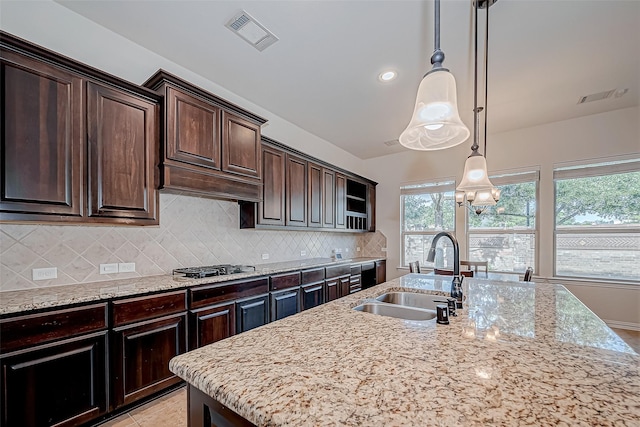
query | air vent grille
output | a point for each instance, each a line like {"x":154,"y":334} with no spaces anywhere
{"x":391,"y":143}
{"x":251,"y":31}
{"x":596,"y":96}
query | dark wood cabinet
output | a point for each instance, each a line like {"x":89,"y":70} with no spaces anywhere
{"x":211,"y":324}
{"x":345,"y":285}
{"x":54,"y":169}
{"x":328,"y":198}
{"x":193,"y":134}
{"x":381,"y":271}
{"x":272,"y":207}
{"x":211,"y":146}
{"x":341,"y":201}
{"x":251,"y":313}
{"x":148,"y":331}
{"x":371,"y":207}
{"x":312,"y":295}
{"x":296,"y":191}
{"x":314,"y":191}
{"x":241,"y":149}
{"x":332,"y":287}
{"x":54,"y":367}
{"x":121,"y":147}
{"x":42,"y":139}
{"x":284,"y":303}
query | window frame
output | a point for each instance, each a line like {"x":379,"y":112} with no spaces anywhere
{"x":507,"y":178}
{"x":590,"y":169}
{"x":444,"y":185}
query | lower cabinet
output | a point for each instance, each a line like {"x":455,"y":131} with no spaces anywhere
{"x":381,"y":271}
{"x":54,"y":367}
{"x":333,"y":289}
{"x":64,"y":384}
{"x":311,"y":295}
{"x":345,"y":284}
{"x":148,"y":332}
{"x":251,"y":313}
{"x":210,"y":324}
{"x":284,"y":303}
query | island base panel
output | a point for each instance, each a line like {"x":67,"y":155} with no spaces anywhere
{"x":205,"y":411}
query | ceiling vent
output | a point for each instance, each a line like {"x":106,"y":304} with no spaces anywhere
{"x":251,"y":31}
{"x":391,"y":143}
{"x":596,"y":96}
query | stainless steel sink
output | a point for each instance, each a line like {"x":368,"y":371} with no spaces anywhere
{"x":412,"y":299}
{"x":396,"y":311}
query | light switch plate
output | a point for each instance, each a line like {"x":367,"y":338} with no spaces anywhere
{"x":127,"y":267}
{"x":265,"y":256}
{"x":384,"y":249}
{"x":303,"y":253}
{"x":358,"y":249}
{"x":44,"y":273}
{"x":108,"y":268}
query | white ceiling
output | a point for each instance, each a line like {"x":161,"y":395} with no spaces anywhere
{"x":322,"y":73}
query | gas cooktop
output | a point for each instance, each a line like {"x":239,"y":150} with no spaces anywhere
{"x":213,"y":270}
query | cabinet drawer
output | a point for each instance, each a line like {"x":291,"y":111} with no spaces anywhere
{"x":283,"y":281}
{"x":143,"y":308}
{"x":338,"y":270}
{"x":356,"y":269}
{"x":311,"y":276}
{"x":219,"y":292}
{"x":33,"y":329}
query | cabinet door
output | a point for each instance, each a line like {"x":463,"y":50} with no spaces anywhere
{"x":212,"y":324}
{"x":296,"y":191}
{"x":284,"y":303}
{"x":381,"y":271}
{"x":122,"y":132}
{"x":341,"y":201}
{"x":63,"y":384}
{"x":328,"y":198}
{"x":314,"y":184}
{"x":193,"y":130}
{"x":345,"y":285}
{"x":272,"y":207}
{"x":41,"y":155}
{"x":252,"y":313}
{"x":241,"y":149}
{"x":333,"y":289}
{"x":371,"y":208}
{"x":312,"y":295}
{"x":141,"y":354}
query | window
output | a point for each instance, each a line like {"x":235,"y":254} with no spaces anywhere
{"x":427,"y":209}
{"x":597,"y":221}
{"x":506,"y":234}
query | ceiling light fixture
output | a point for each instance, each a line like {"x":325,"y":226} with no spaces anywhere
{"x":435,"y":123}
{"x":387,"y":76}
{"x":475,"y":186}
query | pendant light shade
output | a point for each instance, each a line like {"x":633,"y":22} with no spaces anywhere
{"x":475,"y":175}
{"x":435,"y":123}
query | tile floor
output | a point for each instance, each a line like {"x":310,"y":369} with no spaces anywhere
{"x":171,"y":410}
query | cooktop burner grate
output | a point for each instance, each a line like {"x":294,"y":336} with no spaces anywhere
{"x":213,"y":270}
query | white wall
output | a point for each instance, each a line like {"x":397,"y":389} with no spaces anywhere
{"x":615,"y":133}
{"x":55,"y":27}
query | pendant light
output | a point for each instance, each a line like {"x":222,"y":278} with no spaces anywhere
{"x":475,"y":186}
{"x":435,"y":123}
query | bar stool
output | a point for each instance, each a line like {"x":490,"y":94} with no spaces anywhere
{"x":476,"y":266}
{"x":414,"y":267}
{"x":445,"y":272}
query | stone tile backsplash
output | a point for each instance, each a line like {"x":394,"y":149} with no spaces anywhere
{"x":193,"y":231}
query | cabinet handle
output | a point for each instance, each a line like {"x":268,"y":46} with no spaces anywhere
{"x":317,"y":288}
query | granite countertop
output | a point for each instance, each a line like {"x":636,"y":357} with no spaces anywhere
{"x":34,"y":299}
{"x":517,"y":354}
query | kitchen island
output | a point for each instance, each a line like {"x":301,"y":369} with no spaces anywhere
{"x":517,"y":354}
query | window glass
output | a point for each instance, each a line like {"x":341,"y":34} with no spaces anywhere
{"x":597,"y":221}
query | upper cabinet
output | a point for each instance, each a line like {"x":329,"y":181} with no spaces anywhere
{"x":78,"y":145}
{"x":315,"y":195}
{"x":211,"y":147}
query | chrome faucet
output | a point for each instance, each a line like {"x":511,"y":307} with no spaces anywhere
{"x":456,"y":284}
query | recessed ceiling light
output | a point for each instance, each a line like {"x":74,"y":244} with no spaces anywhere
{"x":387,"y":76}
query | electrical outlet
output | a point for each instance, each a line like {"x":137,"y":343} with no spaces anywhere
{"x":265,"y":256}
{"x":44,"y":273}
{"x":108,"y":268}
{"x":346,"y":250}
{"x":358,"y":249}
{"x":127,"y":267}
{"x":303,"y":253}
{"x":384,"y":249}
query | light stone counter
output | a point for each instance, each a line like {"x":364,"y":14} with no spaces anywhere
{"x":34,"y":299}
{"x":518,"y":354}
